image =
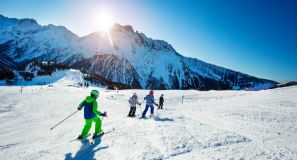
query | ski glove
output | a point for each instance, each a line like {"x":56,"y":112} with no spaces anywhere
{"x":78,"y":108}
{"x":103,"y":114}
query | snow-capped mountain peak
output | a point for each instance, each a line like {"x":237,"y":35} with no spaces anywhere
{"x":120,"y":28}
{"x":150,"y":63}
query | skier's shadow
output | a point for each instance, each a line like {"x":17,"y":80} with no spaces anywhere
{"x":86,"y":151}
{"x":164,"y":119}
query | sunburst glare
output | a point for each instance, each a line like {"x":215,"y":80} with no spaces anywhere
{"x":104,"y":21}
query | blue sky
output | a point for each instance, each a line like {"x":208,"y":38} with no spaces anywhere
{"x":257,"y":37}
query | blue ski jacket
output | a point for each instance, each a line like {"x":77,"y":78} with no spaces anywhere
{"x":90,"y":108}
{"x":149,"y":100}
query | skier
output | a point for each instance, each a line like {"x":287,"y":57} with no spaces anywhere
{"x":161,"y":101}
{"x":150,"y":102}
{"x":91,"y":114}
{"x":133,"y":102}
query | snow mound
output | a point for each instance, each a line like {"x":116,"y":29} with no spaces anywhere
{"x":71,"y":77}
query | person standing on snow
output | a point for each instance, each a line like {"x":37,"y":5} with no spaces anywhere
{"x":91,"y":115}
{"x":150,"y":102}
{"x":133,"y":101}
{"x":161,"y":101}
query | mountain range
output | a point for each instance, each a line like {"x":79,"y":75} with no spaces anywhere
{"x":119,"y":55}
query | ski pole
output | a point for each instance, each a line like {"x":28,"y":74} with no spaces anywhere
{"x":139,"y":107}
{"x":127,"y":109}
{"x":63,"y":120}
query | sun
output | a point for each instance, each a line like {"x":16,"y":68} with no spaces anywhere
{"x":103,"y":20}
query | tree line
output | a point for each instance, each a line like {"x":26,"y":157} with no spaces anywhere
{"x":98,"y":80}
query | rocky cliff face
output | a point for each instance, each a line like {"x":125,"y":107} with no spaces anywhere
{"x":111,"y":67}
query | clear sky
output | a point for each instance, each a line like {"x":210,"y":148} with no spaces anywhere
{"x":257,"y":37}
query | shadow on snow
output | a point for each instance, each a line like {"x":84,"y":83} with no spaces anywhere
{"x":164,"y":119}
{"x":86,"y":151}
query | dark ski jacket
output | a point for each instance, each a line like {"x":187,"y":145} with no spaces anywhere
{"x":161,"y":100}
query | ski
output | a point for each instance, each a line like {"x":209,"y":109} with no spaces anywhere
{"x":92,"y":139}
{"x":99,"y":136}
{"x":76,"y":139}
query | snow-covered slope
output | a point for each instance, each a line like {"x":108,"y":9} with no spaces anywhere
{"x":71,"y":77}
{"x":150,"y":63}
{"x":61,"y":78}
{"x":207,"y":125}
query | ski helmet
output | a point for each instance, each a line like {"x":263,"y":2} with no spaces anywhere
{"x":134,"y":94}
{"x":162,"y":95}
{"x":152,"y":92}
{"x":95,"y":93}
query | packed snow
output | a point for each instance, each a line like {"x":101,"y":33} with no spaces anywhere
{"x":192,"y":125}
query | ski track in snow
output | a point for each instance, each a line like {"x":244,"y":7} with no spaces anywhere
{"x":207,"y":125}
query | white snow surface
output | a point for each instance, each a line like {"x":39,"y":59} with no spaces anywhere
{"x":207,"y":125}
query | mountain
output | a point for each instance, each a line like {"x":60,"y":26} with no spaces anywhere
{"x":113,"y":68}
{"x":121,"y":55}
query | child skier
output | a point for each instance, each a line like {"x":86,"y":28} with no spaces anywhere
{"x":133,"y":102}
{"x":91,"y":114}
{"x":150,"y":102}
{"x":161,"y":101}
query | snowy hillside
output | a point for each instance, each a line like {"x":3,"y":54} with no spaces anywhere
{"x":61,"y":78}
{"x":206,"y":125}
{"x":145,"y":62}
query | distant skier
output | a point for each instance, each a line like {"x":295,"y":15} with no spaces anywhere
{"x":150,"y":102}
{"x":91,"y":114}
{"x":85,"y":85}
{"x":133,"y":101}
{"x":161,"y":101}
